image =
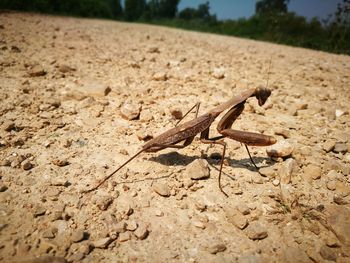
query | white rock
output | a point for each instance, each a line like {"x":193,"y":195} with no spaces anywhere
{"x":282,"y":148}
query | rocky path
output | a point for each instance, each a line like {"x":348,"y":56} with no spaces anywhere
{"x":79,"y":97}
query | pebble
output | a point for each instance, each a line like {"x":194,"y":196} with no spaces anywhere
{"x":286,"y":170}
{"x":236,"y":218}
{"x":243,"y":209}
{"x":3,"y":187}
{"x":339,"y":200}
{"x":78,"y":235}
{"x":37,"y":71}
{"x":218,"y":73}
{"x":216,"y":248}
{"x":60,"y":162}
{"x":176,"y":113}
{"x":283,"y":132}
{"x":340,"y":148}
{"x":26,"y":165}
{"x":331,"y":185}
{"x":153,"y":50}
{"x":146,"y":115}
{"x":269,"y":171}
{"x":59,"y":182}
{"x":162,"y":189}
{"x":65,"y":68}
{"x":329,"y":145}
{"x":141,"y":232}
{"x":276,"y":182}
{"x":328,"y":253}
{"x":5,"y":162}
{"x":282,"y":148}
{"x":119,"y":227}
{"x":39,"y":211}
{"x":50,"y":233}
{"x":198,"y":169}
{"x":160,"y":76}
{"x":8,"y":126}
{"x":339,"y":113}
{"x":312,"y":172}
{"x":124,"y":236}
{"x":130,"y":110}
{"x":131,"y":225}
{"x":102,"y":243}
{"x":103,"y":202}
{"x":256,"y":231}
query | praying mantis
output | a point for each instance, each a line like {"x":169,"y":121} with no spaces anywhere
{"x":187,"y":131}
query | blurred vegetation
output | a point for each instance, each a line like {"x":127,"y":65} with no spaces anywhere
{"x":272,"y":22}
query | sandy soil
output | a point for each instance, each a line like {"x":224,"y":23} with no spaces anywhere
{"x":64,"y":86}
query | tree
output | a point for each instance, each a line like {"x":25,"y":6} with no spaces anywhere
{"x":271,"y":6}
{"x":133,"y":9}
{"x":116,"y":7}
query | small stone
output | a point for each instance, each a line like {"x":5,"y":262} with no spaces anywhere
{"x":131,"y":225}
{"x":198,"y":224}
{"x":313,"y":172}
{"x":103,"y":202}
{"x":283,"y":132}
{"x":153,"y":50}
{"x":102,"y":243}
{"x":78,"y":235}
{"x":5,"y":162}
{"x":282,"y":148}
{"x":59,"y":182}
{"x":339,"y":200}
{"x":76,"y":257}
{"x":65,"y":68}
{"x":198,"y":169}
{"x":161,"y":189}
{"x":26,"y":165}
{"x":3,"y":187}
{"x":130,"y":110}
{"x":243,"y":209}
{"x":331,"y":185}
{"x":39,"y":211}
{"x":176,"y":113}
{"x":216,"y":248}
{"x":256,"y":231}
{"x":286,"y":170}
{"x":159,"y":213}
{"x":268,"y":171}
{"x":50,"y":233}
{"x":60,"y":162}
{"x":160,"y":76}
{"x":37,"y":71}
{"x":141,"y":232}
{"x":329,"y":145}
{"x":339,"y":113}
{"x":218,"y":73}
{"x":339,"y":217}
{"x":340,"y":148}
{"x":276,"y":182}
{"x":236,"y":218}
{"x":328,"y":253}
{"x":124,"y":236}
{"x":119,"y":227}
{"x":146,"y":115}
{"x":8,"y":126}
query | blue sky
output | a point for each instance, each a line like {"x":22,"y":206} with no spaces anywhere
{"x":233,"y":9}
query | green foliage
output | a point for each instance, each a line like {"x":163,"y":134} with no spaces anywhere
{"x":271,"y":6}
{"x":134,"y":9}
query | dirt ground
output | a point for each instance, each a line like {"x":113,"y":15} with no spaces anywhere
{"x":80,"y":96}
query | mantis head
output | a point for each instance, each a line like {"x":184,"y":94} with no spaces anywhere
{"x":262,"y":95}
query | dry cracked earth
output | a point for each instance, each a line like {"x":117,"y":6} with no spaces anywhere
{"x":81,"y":96}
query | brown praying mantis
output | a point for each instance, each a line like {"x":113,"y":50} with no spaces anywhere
{"x":187,"y":131}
